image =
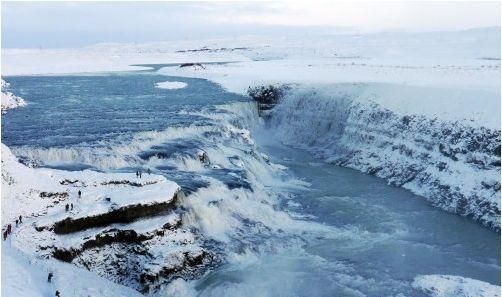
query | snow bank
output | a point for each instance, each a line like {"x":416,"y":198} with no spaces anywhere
{"x":24,"y":276}
{"x":10,"y":100}
{"x":454,"y":286}
{"x":18,"y":182}
{"x":171,"y":85}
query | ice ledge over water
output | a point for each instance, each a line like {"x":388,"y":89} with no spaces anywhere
{"x":10,"y":100}
{"x":454,"y":286}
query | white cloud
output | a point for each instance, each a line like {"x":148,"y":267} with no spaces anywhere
{"x":425,"y":15}
{"x":56,"y":24}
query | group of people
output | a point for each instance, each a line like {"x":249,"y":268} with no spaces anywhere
{"x":49,"y":279}
{"x":8,"y":229}
{"x":139,"y":172}
{"x":68,"y":207}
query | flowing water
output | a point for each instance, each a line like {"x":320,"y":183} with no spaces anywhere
{"x":284,"y":223}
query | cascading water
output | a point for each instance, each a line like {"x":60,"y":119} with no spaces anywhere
{"x":279,"y":221}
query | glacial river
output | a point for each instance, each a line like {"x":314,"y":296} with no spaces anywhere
{"x":284,"y":223}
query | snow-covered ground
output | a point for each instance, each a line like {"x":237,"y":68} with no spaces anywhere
{"x":454,"y":286}
{"x":22,"y":188}
{"x":115,"y":217}
{"x":25,"y":276}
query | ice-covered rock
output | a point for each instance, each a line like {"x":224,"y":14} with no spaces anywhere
{"x":267,"y":96}
{"x":454,"y":286}
{"x":10,"y":100}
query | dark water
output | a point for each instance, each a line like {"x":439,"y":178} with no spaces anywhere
{"x":356,"y":236}
{"x":68,"y":110}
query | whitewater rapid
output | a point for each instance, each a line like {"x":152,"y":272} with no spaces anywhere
{"x":277,"y":220}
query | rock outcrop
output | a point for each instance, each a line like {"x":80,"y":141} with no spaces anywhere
{"x":267,"y":97}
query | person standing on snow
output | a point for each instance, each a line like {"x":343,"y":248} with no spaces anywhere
{"x":20,"y":219}
{"x":79,"y":194}
{"x":49,"y":278}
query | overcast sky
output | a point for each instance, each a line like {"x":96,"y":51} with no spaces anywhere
{"x":71,"y":24}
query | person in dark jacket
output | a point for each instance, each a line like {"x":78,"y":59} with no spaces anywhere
{"x":20,"y":219}
{"x":67,"y":207}
{"x":49,"y":278}
{"x":9,"y":229}
{"x":79,"y":194}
